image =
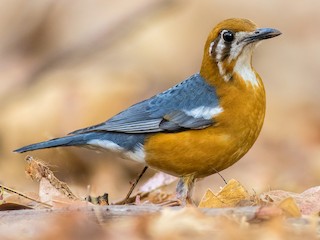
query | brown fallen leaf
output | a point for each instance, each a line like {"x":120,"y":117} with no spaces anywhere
{"x":267,"y":213}
{"x":158,"y":197}
{"x":8,"y":206}
{"x":18,"y":198}
{"x":47,"y":192}
{"x":229,"y":196}
{"x":307,"y":201}
{"x":50,"y":187}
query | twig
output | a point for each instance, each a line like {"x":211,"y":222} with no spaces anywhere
{"x":134,"y":185}
{"x":220,"y":175}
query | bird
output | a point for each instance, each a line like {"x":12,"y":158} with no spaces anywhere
{"x":198,"y":127}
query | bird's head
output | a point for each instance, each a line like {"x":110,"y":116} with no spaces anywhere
{"x":229,"y":49}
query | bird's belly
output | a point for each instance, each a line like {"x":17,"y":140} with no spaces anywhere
{"x":197,"y":152}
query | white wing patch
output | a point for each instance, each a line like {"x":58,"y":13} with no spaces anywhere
{"x":138,"y":153}
{"x":204,"y":112}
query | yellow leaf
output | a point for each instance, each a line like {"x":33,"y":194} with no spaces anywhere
{"x":229,"y":196}
{"x":290,"y":207}
{"x":210,"y":200}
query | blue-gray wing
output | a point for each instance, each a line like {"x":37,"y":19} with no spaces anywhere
{"x":189,"y":105}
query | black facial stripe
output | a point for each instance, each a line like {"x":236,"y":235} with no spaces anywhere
{"x":215,"y":53}
{"x":226,"y":52}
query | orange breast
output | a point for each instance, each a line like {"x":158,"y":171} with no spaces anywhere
{"x":204,"y":152}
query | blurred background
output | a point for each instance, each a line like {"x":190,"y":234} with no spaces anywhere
{"x":65,"y":65}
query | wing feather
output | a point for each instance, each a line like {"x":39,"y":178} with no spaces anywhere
{"x":165,"y":112}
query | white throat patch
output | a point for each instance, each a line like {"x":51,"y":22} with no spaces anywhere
{"x":244,"y":69}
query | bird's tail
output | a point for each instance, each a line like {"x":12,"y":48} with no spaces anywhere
{"x":72,"y":140}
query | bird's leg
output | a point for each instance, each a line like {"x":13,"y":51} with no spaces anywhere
{"x":184,"y":190}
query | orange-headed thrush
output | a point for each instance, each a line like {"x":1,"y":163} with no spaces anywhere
{"x":200,"y":126}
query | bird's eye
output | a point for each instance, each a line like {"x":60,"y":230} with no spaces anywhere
{"x":228,"y":36}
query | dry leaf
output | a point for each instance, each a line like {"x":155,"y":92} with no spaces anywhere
{"x":158,"y":197}
{"x":47,"y":191}
{"x":62,"y":202}
{"x":209,"y":200}
{"x":308,"y":201}
{"x":229,"y":196}
{"x":50,"y":186}
{"x":7,"y":206}
{"x":268,"y":212}
{"x":18,"y":198}
{"x":290,"y":207}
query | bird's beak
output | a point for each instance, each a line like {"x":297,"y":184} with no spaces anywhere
{"x":261,"y":34}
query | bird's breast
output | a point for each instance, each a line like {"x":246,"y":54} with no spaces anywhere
{"x":206,"y":151}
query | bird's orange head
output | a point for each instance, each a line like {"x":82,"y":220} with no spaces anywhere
{"x":229,"y":49}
